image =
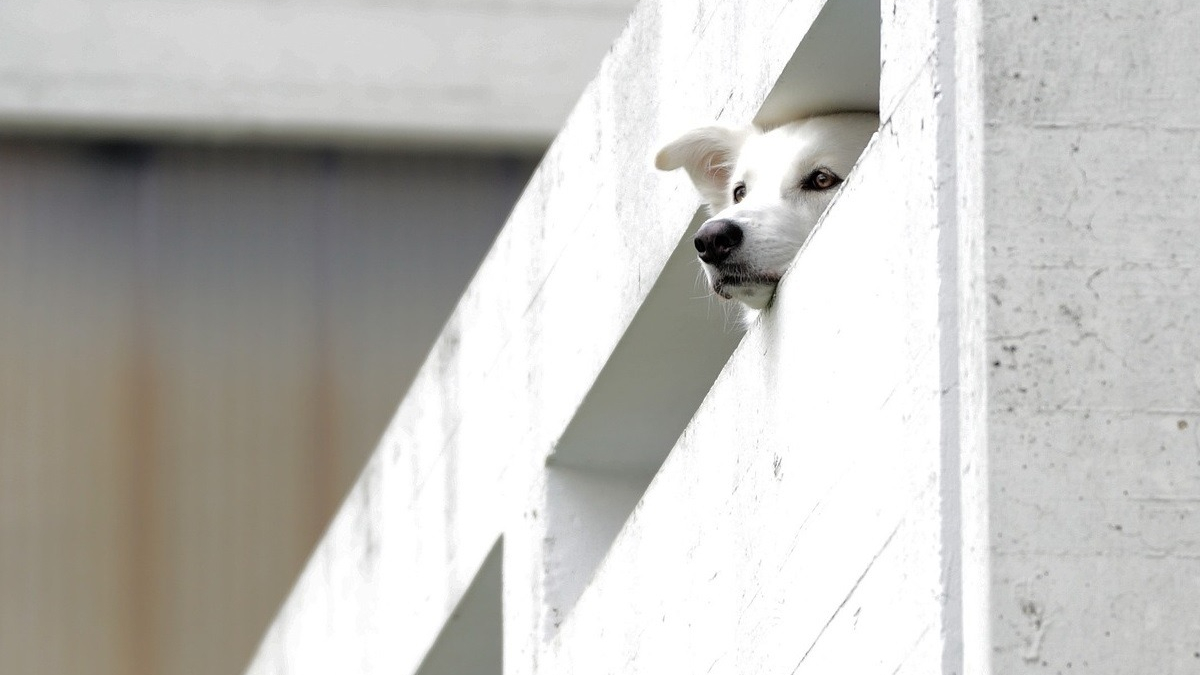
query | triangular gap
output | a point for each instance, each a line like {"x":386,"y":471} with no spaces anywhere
{"x":471,"y":642}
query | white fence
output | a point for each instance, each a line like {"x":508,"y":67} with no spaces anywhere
{"x":906,"y":466}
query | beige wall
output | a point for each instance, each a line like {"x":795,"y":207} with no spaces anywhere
{"x":198,"y":349}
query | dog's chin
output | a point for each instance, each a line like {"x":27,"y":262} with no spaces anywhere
{"x":753,"y":290}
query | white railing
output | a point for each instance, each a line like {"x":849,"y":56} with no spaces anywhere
{"x":962,"y":440}
{"x":806,"y":520}
{"x":798,"y":517}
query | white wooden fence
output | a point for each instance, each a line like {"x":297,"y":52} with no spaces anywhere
{"x":962,"y":440}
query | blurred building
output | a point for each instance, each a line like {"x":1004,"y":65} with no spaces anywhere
{"x":228,"y":234}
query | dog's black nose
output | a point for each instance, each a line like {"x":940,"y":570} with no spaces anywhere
{"x":716,"y":239}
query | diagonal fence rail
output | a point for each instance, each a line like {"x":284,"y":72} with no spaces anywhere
{"x":593,"y":472}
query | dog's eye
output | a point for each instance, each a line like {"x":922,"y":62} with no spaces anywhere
{"x":739,"y":192}
{"x":820,"y":179}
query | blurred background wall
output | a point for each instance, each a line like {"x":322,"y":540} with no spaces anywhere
{"x":228,"y":233}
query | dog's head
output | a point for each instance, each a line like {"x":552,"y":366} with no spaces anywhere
{"x":766,"y":191}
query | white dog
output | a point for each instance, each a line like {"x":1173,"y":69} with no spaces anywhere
{"x":766,"y":191}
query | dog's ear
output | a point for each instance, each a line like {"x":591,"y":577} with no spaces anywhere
{"x":709,"y":155}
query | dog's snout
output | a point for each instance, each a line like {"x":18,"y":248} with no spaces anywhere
{"x":716,"y":239}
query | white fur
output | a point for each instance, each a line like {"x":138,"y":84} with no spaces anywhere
{"x":777,"y":213}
